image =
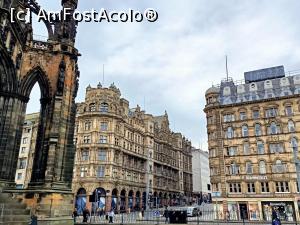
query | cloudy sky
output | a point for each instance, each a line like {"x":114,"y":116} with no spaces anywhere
{"x":170,"y":63}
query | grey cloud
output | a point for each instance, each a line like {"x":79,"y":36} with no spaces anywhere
{"x":173,"y":61}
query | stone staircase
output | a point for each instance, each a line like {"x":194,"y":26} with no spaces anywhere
{"x":12,"y":211}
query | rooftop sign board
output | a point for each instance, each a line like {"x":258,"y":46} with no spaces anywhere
{"x":264,"y":74}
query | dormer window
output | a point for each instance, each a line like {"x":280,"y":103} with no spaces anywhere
{"x":268,"y":84}
{"x":92,"y":107}
{"x":104,"y":107}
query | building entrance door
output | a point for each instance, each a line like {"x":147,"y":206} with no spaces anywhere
{"x":243,"y":211}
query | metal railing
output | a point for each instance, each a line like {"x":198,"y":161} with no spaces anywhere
{"x":200,"y":218}
{"x":1,"y":212}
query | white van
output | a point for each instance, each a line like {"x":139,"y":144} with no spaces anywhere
{"x":192,"y":211}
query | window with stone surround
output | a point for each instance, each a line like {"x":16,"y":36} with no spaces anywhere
{"x":235,"y":188}
{"x":288,"y":110}
{"x":104,"y":107}
{"x":257,"y":129}
{"x":255,"y":114}
{"x":103,"y":126}
{"x":271,"y":112}
{"x":103,"y":139}
{"x":251,"y":187}
{"x":230,"y":132}
{"x":260,"y":147}
{"x":291,"y":126}
{"x":83,"y":171}
{"x":264,"y":187}
{"x":282,"y":186}
{"x":276,"y":147}
{"x":85,"y":155}
{"x":87,"y":125}
{"x":22,"y":163}
{"x":100,"y":171}
{"x":102,"y":155}
{"x":86,"y":139}
{"x":243,"y":116}
{"x":245,"y":131}
{"x":262,"y":167}
{"x":246,"y":148}
{"x":249,"y":167}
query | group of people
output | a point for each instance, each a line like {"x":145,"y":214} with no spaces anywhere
{"x":86,"y":215}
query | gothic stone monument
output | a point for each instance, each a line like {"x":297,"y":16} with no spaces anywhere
{"x":53,"y":65}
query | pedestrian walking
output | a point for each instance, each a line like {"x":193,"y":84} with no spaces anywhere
{"x":275,"y":219}
{"x":33,"y":219}
{"x":166,"y":214}
{"x":111,"y":216}
{"x":75,"y":215}
{"x":86,"y":215}
{"x":143,"y":212}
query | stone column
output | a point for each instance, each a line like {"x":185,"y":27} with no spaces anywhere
{"x":126,"y":202}
{"x":108,"y":203}
{"x":133,"y":201}
{"x":118,"y":202}
{"x":297,"y":217}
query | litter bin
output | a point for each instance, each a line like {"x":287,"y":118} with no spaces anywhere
{"x":178,"y":216}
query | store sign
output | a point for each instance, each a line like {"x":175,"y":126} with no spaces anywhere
{"x":277,"y":204}
{"x":258,"y":177}
{"x":264,"y":74}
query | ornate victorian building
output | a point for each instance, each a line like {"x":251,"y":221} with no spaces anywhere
{"x":122,"y":151}
{"x":253,"y":134}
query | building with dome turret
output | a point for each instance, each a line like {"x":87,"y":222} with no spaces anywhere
{"x":121,"y":152}
{"x":253,"y":134}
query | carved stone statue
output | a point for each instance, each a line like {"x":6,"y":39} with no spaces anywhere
{"x":61,"y":78}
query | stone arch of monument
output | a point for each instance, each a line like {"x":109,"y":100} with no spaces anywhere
{"x":52,"y":64}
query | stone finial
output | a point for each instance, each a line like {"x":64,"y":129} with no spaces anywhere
{"x":99,"y":85}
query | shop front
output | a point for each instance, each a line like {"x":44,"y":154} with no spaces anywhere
{"x":243,"y":210}
{"x":284,"y":210}
{"x":253,"y":211}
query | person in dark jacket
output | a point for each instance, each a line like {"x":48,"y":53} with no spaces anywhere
{"x":143,"y":212}
{"x":166,"y":215}
{"x":33,"y":220}
{"x":275,"y":219}
{"x":85,"y":214}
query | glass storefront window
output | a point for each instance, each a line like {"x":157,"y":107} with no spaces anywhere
{"x":233,"y":212}
{"x":284,"y":210}
{"x":253,"y":211}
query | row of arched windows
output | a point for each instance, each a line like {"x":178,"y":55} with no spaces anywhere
{"x":104,"y":107}
{"x":277,"y":167}
{"x":272,"y":128}
{"x":275,"y":147}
